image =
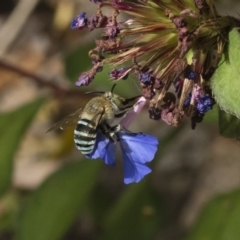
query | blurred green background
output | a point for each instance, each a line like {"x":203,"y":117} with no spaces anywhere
{"x":49,"y":191}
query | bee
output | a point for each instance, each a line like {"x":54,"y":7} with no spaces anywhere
{"x":101,"y":113}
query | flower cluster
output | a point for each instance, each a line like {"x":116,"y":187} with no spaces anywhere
{"x":137,"y":149}
{"x":167,"y":45}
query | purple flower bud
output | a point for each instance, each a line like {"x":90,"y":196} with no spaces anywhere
{"x":97,"y":21}
{"x":145,"y":77}
{"x":189,"y":73}
{"x":120,"y":73}
{"x":85,"y":79}
{"x":112,"y":30}
{"x":205,"y":104}
{"x":80,"y":21}
{"x":197,"y":92}
{"x":192,"y":75}
{"x":114,"y":74}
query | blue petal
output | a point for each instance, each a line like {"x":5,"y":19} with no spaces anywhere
{"x":142,"y":147}
{"x":104,"y":149}
{"x":137,"y":149}
{"x":133,"y":171}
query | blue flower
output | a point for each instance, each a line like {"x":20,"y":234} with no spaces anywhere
{"x":137,"y":149}
{"x":104,"y":149}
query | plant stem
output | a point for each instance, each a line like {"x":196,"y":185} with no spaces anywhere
{"x":57,"y":90}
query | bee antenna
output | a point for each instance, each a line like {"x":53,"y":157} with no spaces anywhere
{"x":94,"y":92}
{"x":113,"y":87}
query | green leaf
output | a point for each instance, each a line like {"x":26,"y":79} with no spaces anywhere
{"x":229,"y":125}
{"x":12,"y":127}
{"x":226,"y":79}
{"x":137,"y":214}
{"x":58,"y":201}
{"x":219,"y":220}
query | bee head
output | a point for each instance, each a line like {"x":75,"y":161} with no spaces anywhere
{"x":117,"y":102}
{"x":109,"y":95}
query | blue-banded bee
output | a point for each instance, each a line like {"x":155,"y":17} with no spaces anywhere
{"x":100,"y":113}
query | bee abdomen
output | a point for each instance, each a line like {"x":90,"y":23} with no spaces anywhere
{"x":85,"y":136}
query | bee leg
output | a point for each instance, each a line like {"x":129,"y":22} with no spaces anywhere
{"x":122,"y":128}
{"x":116,"y":128}
{"x":106,"y":130}
{"x":113,"y":137}
{"x":112,"y":132}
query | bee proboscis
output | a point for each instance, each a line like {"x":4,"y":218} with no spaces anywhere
{"x":100,"y":113}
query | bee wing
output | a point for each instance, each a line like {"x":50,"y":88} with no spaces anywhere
{"x":68,"y":121}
